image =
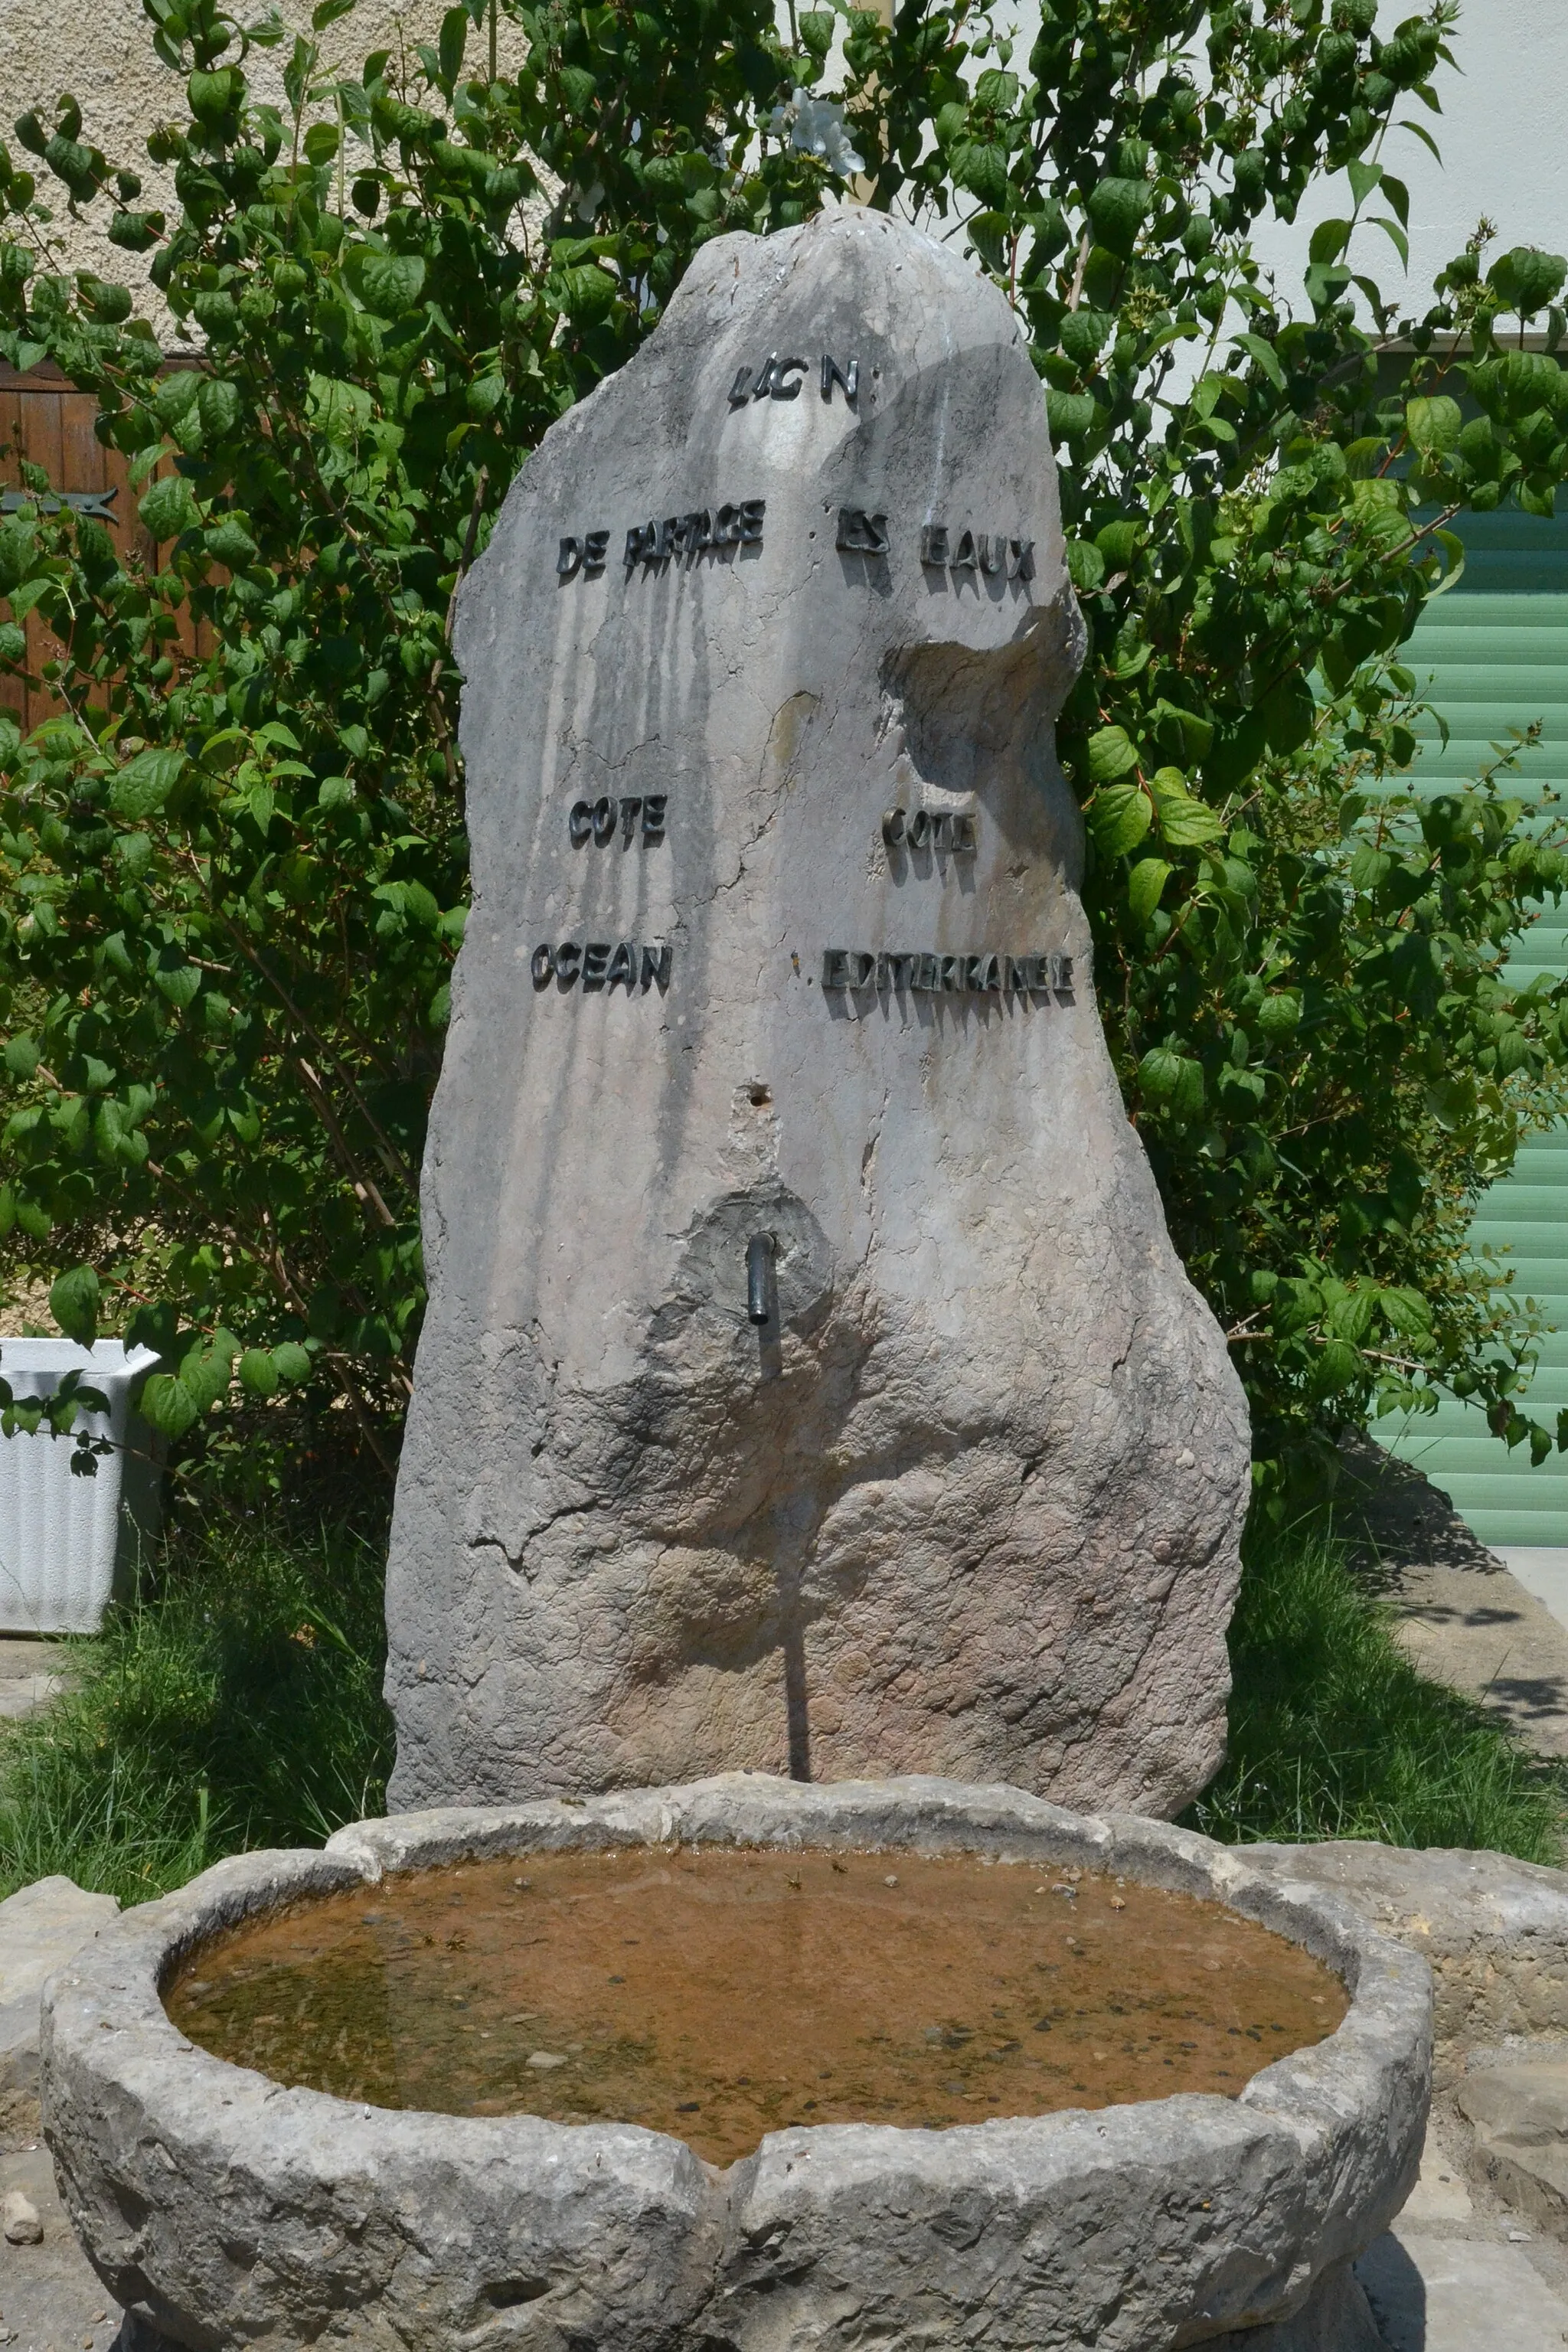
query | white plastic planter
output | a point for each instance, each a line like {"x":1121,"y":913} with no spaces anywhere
{"x":68,"y":1543}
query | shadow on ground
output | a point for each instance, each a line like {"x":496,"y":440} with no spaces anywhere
{"x":1462,"y":1619}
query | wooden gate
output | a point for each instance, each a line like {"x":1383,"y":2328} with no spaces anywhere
{"x":44,"y":418}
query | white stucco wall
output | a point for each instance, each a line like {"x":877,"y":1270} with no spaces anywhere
{"x":1503,"y":133}
{"x":101,"y":51}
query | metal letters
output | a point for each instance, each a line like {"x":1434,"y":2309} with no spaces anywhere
{"x":976,"y":552}
{"x":692,"y":535}
{"x":595,"y":821}
{"x":585,"y":555}
{"x":939,"y":829}
{"x":688,"y":535}
{"x":601,"y":963}
{"x":780,"y":379}
{"x":860,"y":533}
{"x":833,"y":373}
{"x":948,"y":975}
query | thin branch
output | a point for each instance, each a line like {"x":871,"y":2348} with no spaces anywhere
{"x":1077,"y":293}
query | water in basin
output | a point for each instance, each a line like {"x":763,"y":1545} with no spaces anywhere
{"x":719,"y":1993}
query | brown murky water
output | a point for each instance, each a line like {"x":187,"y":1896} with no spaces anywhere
{"x":721,"y":1994}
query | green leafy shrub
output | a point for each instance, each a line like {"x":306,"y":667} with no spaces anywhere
{"x":234,"y":873}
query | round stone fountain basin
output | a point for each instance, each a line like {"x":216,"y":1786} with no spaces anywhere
{"x":860,"y":2003}
{"x":723,"y":1992}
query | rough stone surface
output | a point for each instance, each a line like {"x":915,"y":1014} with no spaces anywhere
{"x":19,"y":2220}
{"x":222,"y":2209}
{"x":1494,"y":1930}
{"x":41,"y":1926}
{"x":969,"y":1501}
{"x":1521,"y":2119}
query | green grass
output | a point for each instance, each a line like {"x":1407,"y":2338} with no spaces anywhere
{"x":1334,"y":1733}
{"x":237,"y":1703}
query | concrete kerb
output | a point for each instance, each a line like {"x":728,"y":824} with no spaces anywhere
{"x":218,"y":2206}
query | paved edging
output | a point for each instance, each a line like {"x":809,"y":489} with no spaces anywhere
{"x":41,"y":1926}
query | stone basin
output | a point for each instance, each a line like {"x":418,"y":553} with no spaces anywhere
{"x":223,"y":2208}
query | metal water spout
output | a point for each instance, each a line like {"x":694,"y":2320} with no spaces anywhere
{"x":762,"y":1291}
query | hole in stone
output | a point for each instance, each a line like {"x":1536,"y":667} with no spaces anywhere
{"x":503,"y":2295}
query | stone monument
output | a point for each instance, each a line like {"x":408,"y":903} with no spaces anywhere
{"x":808,"y":1384}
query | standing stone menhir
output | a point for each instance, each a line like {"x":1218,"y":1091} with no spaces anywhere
{"x":809,"y":1382}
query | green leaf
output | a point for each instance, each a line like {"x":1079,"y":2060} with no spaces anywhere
{"x":74,"y":1300}
{"x":980,"y":166}
{"x":22,"y":1054}
{"x":144,"y":783}
{"x":175,"y":394}
{"x":206,"y":1373}
{"x":1434,"y":425}
{"x":218,"y":404}
{"x":292,"y":1362}
{"x":390,"y":284}
{"x":180,"y":983}
{"x":1118,"y":209}
{"x":1173,"y":1079}
{"x":230,"y":543}
{"x":1069,"y":414}
{"x":169,"y":508}
{"x":1267,"y":358}
{"x":341,"y":409}
{"x":1279,"y":1016}
{"x":453,"y":39}
{"x":211,"y":94}
{"x":1109,"y":753}
{"x":1144,"y":885}
{"x":1287,"y":710}
{"x":995,"y":90}
{"x":1364,"y":178}
{"x":1184,"y":820}
{"x":1525,"y":279}
{"x":168,"y":1404}
{"x":258,"y":1374}
{"x":1453,"y":548}
{"x":1119,"y":817}
{"x":1395,"y":235}
{"x":590,"y":292}
{"x":1086,"y":566}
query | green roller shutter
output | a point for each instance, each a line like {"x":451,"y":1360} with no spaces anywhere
{"x":1496,"y":648}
